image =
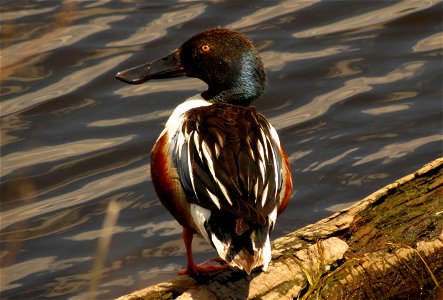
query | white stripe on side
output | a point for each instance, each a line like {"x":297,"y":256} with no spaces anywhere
{"x":176,"y":119}
{"x":201,"y":215}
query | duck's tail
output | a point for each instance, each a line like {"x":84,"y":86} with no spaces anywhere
{"x":241,"y":244}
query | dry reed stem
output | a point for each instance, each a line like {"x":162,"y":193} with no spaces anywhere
{"x":111,"y":217}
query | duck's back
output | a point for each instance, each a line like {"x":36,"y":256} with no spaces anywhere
{"x":229,"y":163}
{"x":230,"y":160}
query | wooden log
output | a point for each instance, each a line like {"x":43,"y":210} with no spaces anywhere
{"x":388,"y":245}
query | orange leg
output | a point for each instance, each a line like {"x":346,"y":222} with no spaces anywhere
{"x":205,"y":267}
{"x":187,"y":239}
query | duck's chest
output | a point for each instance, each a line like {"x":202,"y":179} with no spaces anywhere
{"x":173,"y":127}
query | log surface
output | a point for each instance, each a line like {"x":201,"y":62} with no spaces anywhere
{"x":388,"y":245}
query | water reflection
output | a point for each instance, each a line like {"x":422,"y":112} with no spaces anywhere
{"x":177,"y":248}
{"x":275,"y":61}
{"x":393,"y":151}
{"x":319,"y":165}
{"x":369,"y":19}
{"x":272,"y":12}
{"x":396,"y":96}
{"x":10,"y":124}
{"x":133,"y":119}
{"x":13,"y":273}
{"x":16,"y":15}
{"x":430,"y":43}
{"x":91,"y":190}
{"x":158,"y":28}
{"x":18,"y":160}
{"x":153,"y":272}
{"x":19,"y":55}
{"x":320,"y":104}
{"x":165,"y":228}
{"x":385,"y":109}
{"x":345,"y":68}
{"x":65,"y":85}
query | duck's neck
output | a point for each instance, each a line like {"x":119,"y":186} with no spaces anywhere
{"x":247,"y":85}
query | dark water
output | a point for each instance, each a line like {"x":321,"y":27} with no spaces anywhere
{"x":354,"y":89}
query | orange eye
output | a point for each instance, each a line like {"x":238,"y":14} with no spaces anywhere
{"x":205,"y":48}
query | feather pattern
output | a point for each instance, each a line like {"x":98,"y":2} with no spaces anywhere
{"x":230,"y":164}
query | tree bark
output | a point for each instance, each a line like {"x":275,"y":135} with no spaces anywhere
{"x":388,"y":245}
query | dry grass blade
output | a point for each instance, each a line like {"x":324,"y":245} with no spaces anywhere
{"x":111,"y":217}
{"x":427,"y":267}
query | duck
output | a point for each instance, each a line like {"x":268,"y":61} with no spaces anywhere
{"x":218,"y":166}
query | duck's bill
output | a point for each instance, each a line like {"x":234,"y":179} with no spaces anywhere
{"x":166,"y":67}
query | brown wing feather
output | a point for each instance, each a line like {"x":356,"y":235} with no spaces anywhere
{"x":230,"y":161}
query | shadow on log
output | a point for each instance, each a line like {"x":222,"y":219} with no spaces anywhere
{"x":388,"y":245}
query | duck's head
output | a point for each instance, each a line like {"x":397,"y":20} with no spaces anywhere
{"x":226,"y":60}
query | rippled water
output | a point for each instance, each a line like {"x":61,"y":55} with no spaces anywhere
{"x":354,"y":89}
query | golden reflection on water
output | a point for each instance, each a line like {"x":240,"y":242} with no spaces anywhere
{"x":315,"y":166}
{"x":368,"y":137}
{"x":155,"y":115}
{"x":57,"y":223}
{"x":65,"y":85}
{"x":124,"y":282}
{"x":13,"y":239}
{"x":393,"y":151}
{"x":15,"y":15}
{"x":176,"y":247}
{"x":158,"y":28}
{"x":92,"y":190}
{"x":344,"y":68}
{"x":64,"y":285}
{"x":155,"y":272}
{"x":429,"y":43}
{"x":385,"y":109}
{"x":60,"y":34}
{"x":275,"y":61}
{"x":45,"y":154}
{"x":379,"y":16}
{"x":17,"y":271}
{"x":11,"y":123}
{"x":321,"y":104}
{"x":162,"y":228}
{"x":401,"y":95}
{"x":264,"y":14}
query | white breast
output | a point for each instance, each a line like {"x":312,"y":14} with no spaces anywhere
{"x":176,"y":119}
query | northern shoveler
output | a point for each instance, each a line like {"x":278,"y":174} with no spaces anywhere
{"x":218,"y":165}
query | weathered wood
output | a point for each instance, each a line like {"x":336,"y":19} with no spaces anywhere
{"x":388,"y":245}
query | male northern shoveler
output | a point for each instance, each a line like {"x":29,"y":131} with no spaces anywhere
{"x":218,"y":166}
